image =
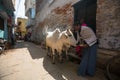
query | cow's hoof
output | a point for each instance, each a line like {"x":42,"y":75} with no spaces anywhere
{"x":48,"y":55}
{"x":61,"y":61}
{"x":67,"y":59}
{"x":53,"y":62}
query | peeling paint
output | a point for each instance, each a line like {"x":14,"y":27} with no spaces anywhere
{"x":108,"y":24}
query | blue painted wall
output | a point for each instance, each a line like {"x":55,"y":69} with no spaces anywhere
{"x":5,"y":30}
{"x":1,"y":34}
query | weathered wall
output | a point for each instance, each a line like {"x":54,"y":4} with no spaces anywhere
{"x":38,"y":5}
{"x":59,"y":13}
{"x":108,"y":24}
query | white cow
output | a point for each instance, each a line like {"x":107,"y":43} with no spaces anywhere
{"x":69,"y":42}
{"x":57,"y":40}
{"x":51,"y":38}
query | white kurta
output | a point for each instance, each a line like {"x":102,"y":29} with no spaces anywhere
{"x":88,"y":35}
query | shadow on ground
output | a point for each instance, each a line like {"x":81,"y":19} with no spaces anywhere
{"x":49,"y":71}
{"x":34,"y":50}
{"x":58,"y":71}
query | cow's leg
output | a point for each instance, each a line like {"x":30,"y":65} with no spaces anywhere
{"x":47,"y":50}
{"x":60,"y":56}
{"x":66,"y":51}
{"x":53,"y":56}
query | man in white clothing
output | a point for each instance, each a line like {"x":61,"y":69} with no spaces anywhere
{"x":88,"y":62}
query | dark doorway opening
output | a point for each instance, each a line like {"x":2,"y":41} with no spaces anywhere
{"x":86,"y":9}
{"x":1,"y":23}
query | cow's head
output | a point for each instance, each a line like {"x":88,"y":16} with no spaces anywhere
{"x":56,"y":31}
{"x":68,"y":38}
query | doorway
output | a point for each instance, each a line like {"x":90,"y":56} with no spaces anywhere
{"x":1,"y":23}
{"x":86,"y":9}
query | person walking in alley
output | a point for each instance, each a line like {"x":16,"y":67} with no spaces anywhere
{"x":12,"y":38}
{"x":88,"y":61}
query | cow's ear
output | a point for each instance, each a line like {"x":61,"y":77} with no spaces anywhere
{"x":67,"y":29}
{"x":66,"y":36}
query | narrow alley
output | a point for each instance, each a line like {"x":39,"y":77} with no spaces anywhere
{"x":28,"y":61}
{"x":92,"y":27}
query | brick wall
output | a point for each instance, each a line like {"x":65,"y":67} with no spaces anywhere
{"x":57,"y":14}
{"x":108,"y":24}
{"x":60,"y":14}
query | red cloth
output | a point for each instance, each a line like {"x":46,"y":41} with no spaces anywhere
{"x":79,"y":50}
{"x":84,"y":24}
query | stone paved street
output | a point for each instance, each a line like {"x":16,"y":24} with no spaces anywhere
{"x":29,"y":62}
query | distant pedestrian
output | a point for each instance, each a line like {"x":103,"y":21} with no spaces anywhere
{"x":12,"y":38}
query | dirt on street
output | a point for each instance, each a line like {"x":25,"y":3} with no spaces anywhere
{"x":28,"y":61}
